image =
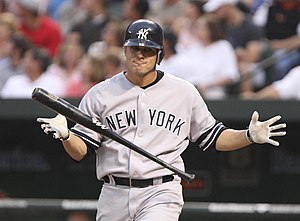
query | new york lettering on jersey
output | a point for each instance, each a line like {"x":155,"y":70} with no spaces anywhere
{"x":158,"y":118}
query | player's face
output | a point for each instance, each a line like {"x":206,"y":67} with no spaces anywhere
{"x":140,"y":60}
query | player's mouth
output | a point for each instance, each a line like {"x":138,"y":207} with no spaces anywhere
{"x":139,"y":63}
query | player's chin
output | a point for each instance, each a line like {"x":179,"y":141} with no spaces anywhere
{"x":140,"y":69}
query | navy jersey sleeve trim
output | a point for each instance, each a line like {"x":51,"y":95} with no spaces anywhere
{"x":91,"y":143}
{"x":212,"y":135}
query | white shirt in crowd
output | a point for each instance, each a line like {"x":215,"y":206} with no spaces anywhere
{"x":212,"y":63}
{"x":177,"y":64}
{"x":20,"y":86}
{"x":288,"y":87}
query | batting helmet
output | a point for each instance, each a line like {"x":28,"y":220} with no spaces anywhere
{"x":145,"y":33}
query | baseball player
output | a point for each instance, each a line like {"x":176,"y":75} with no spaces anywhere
{"x":158,"y":112}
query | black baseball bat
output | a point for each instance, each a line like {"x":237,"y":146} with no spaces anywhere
{"x":71,"y":112}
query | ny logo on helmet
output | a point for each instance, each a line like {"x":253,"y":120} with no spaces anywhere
{"x":143,"y":33}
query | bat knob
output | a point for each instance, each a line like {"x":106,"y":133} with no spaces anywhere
{"x":36,"y":91}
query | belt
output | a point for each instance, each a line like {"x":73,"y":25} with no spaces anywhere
{"x":138,"y":182}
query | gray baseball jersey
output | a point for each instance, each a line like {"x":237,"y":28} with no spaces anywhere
{"x":161,"y":118}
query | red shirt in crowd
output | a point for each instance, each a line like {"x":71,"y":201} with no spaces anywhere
{"x":47,"y":34}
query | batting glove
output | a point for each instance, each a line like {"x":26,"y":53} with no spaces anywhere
{"x":260,"y":132}
{"x":57,"y":126}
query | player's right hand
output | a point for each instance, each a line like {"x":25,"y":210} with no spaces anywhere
{"x":57,"y":126}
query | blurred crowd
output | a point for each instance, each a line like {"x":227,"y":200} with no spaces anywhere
{"x":224,"y":47}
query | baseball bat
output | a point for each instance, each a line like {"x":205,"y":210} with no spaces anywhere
{"x":71,"y":112}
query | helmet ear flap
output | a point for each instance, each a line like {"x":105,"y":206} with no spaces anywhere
{"x":160,"y":56}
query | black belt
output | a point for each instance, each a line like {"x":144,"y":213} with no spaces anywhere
{"x":137,"y":182}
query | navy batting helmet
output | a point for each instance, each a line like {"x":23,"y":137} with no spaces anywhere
{"x":145,"y":33}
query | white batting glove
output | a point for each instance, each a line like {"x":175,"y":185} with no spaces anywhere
{"x":260,"y":132}
{"x":57,"y":126}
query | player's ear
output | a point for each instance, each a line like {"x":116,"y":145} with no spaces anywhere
{"x":124,"y":50}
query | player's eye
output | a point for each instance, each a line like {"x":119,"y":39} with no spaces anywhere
{"x":149,"y":50}
{"x":144,"y":50}
{"x":135,"y":48}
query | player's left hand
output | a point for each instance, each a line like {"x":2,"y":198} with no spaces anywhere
{"x":261,"y":132}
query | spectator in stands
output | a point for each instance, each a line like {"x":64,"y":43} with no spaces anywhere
{"x":89,"y":30}
{"x":245,"y":37}
{"x":135,"y":9}
{"x":174,"y":62}
{"x":114,"y":62}
{"x":165,"y":12}
{"x":8,"y":27}
{"x":40,"y":29}
{"x":211,"y":72}
{"x":280,"y":20}
{"x":91,"y":68}
{"x":286,"y":88}
{"x":70,"y":13}
{"x":282,"y":29}
{"x":112,"y":34}
{"x":110,"y":49}
{"x":239,"y":28}
{"x":182,"y":26}
{"x":65,"y":65}
{"x":34,"y":64}
{"x":19,"y":46}
{"x":111,"y":57}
